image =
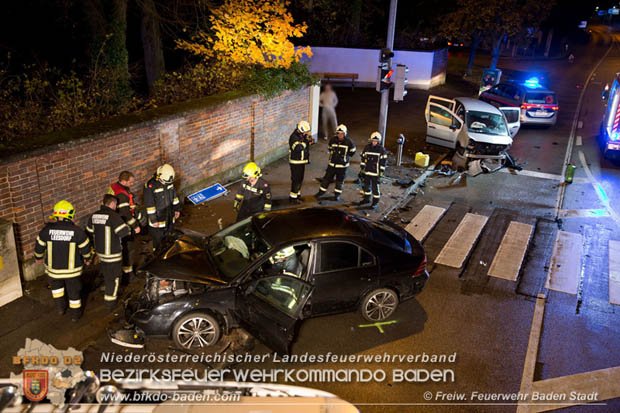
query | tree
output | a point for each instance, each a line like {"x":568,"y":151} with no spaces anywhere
{"x":154,"y":64}
{"x":493,"y":21}
{"x":247,"y":32}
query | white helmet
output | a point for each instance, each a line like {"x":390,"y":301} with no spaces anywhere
{"x":376,"y":136}
{"x":341,"y":128}
{"x":282,"y":255}
{"x":303,"y":126}
{"x":165,"y":173}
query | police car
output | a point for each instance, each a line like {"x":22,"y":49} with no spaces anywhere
{"x":538,"y":104}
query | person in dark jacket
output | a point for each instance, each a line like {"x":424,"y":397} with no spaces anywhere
{"x":254,"y":195}
{"x":162,"y":203}
{"x":108,"y":228}
{"x":130,"y":213}
{"x":341,"y":149}
{"x":299,"y":155}
{"x":373,"y":164}
{"x":65,"y":248}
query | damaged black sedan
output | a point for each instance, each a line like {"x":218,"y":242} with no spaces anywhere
{"x":269,"y":271}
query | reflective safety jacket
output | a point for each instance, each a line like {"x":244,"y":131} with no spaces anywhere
{"x":299,"y":148}
{"x":65,"y":247}
{"x":126,"y":207}
{"x":340,"y":151}
{"x":108,"y":228}
{"x":374,"y":160}
{"x":161,"y":202}
{"x":252,"y":199}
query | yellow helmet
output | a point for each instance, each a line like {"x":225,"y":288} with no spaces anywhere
{"x":341,"y":128}
{"x":303,"y":126}
{"x":165,"y":173}
{"x":376,"y":136}
{"x":64,"y":209}
{"x":251,"y":170}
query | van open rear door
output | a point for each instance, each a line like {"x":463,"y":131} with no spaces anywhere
{"x":513,"y":119}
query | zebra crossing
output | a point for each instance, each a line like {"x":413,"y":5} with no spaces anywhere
{"x":505,"y":254}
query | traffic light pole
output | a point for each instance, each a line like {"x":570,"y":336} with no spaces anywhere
{"x":385,"y":94}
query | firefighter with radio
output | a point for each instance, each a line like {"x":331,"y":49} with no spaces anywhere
{"x":254,"y":195}
{"x":299,"y":155}
{"x":130,"y":213}
{"x":373,"y":164}
{"x":65,"y":248}
{"x":108,"y":228}
{"x":341,"y":148}
{"x":162,"y":204}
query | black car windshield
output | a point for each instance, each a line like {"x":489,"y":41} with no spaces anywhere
{"x":386,"y":235}
{"x":486,"y":123}
{"x":235,"y":247}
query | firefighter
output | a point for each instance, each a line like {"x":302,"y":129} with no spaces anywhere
{"x":108,"y":228}
{"x":162,"y":203}
{"x":65,"y":248}
{"x":374,"y":161}
{"x":285,"y":262}
{"x":341,"y":149}
{"x":299,"y":153}
{"x":254,"y":195}
{"x":132,"y":216}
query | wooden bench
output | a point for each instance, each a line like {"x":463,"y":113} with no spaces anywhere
{"x":338,"y":76}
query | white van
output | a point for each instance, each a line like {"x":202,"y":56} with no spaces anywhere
{"x":475,"y":129}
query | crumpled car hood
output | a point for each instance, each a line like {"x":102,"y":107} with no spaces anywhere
{"x":492,"y":139}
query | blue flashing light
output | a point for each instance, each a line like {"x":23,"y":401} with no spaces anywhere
{"x":601,"y":194}
{"x":532,"y":82}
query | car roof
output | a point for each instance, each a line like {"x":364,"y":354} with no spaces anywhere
{"x":528,"y":88}
{"x":477,"y":105}
{"x":288,"y":225}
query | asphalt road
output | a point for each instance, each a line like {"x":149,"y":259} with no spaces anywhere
{"x":486,"y":322}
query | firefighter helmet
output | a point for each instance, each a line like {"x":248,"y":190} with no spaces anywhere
{"x":303,"y":126}
{"x":376,"y":136}
{"x":282,"y":255}
{"x":251,"y":170}
{"x":165,"y":174}
{"x":64,"y":209}
{"x":341,"y":128}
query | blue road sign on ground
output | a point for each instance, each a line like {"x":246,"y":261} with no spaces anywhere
{"x":207,"y":194}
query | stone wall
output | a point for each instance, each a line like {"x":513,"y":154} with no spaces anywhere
{"x":200,"y":143}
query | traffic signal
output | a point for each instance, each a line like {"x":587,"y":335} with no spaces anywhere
{"x":400,"y":82}
{"x":384,"y":77}
{"x":386,"y":55}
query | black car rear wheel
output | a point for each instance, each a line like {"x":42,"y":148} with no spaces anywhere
{"x":196,"y":330}
{"x":379,"y":304}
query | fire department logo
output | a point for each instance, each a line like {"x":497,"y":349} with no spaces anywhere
{"x":35,"y":384}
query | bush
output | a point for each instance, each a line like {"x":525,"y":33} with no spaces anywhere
{"x":270,"y":82}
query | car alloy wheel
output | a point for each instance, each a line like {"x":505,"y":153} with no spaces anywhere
{"x":379,"y":304}
{"x":196,"y":330}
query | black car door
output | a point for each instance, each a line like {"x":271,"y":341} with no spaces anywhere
{"x":343,"y":272}
{"x":269,"y":308}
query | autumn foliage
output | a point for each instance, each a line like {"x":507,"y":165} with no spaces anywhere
{"x":250,"y":32}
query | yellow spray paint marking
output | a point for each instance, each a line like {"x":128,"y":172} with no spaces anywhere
{"x":0,"y":262}
{"x":379,"y":324}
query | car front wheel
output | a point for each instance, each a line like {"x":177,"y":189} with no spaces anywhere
{"x":379,"y":304}
{"x":196,"y":330}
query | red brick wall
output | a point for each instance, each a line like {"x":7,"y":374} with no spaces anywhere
{"x":198,"y":143}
